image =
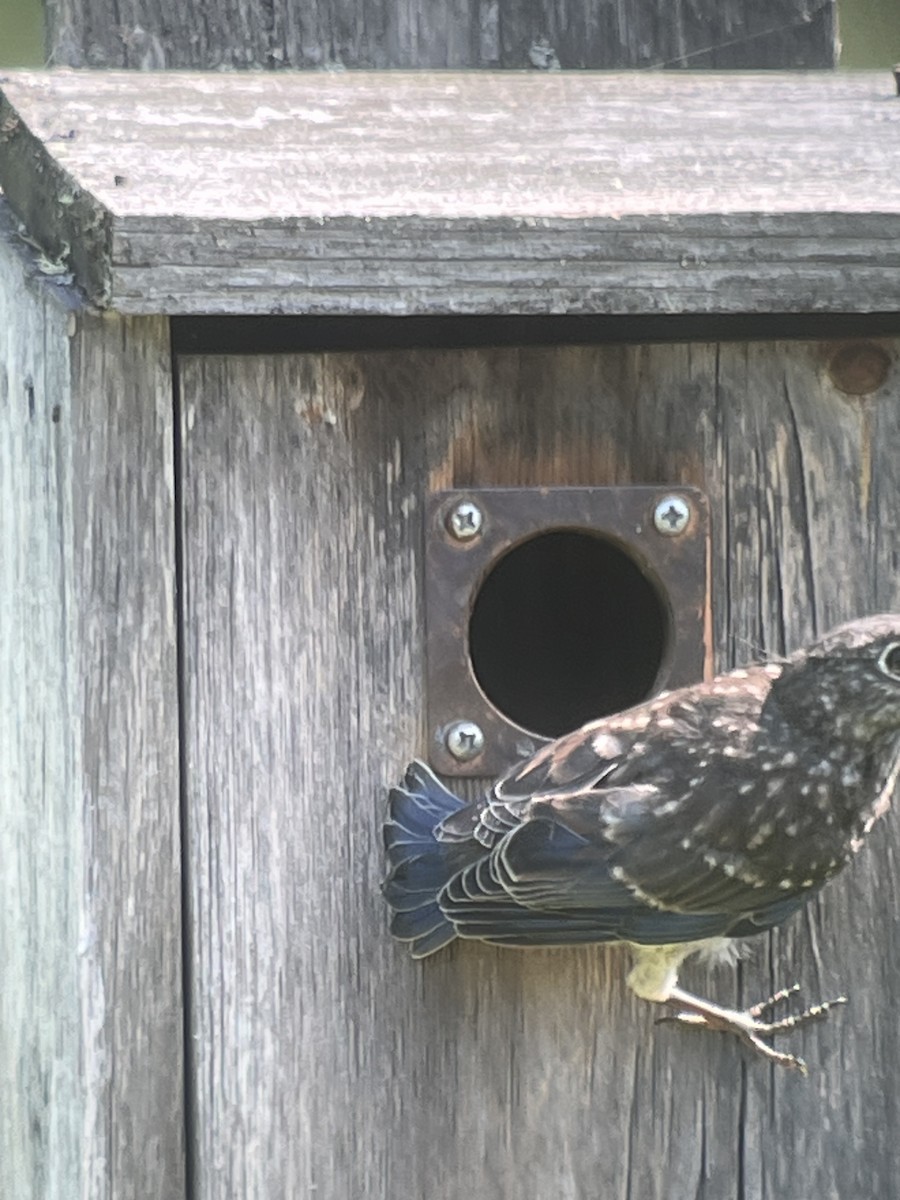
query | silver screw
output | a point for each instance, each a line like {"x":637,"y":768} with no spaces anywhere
{"x":464,"y":740}
{"x":671,"y":515}
{"x":465,"y":521}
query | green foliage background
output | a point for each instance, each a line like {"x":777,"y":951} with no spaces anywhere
{"x":870,"y":33}
{"x":21,"y":33}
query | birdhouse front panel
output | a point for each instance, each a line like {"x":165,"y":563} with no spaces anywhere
{"x":326,"y":1061}
{"x":279,"y":577}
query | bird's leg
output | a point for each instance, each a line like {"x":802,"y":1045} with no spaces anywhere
{"x":692,"y":1010}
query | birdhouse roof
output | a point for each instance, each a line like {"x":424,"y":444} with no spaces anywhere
{"x":397,"y":193}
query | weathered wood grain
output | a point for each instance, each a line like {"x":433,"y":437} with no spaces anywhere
{"x":467,"y":33}
{"x":823,"y":489}
{"x":402,"y":193}
{"x":91,"y":1091}
{"x":327,"y":1063}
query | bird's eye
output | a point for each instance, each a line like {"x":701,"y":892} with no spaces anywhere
{"x":889,"y":662}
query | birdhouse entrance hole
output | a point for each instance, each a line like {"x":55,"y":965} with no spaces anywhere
{"x":566,"y":628}
{"x":549,"y":607}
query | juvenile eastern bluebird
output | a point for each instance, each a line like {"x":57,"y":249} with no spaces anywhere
{"x":708,"y":813}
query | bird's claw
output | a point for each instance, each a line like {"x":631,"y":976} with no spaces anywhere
{"x":756,"y":1010}
{"x":747,"y":1025}
{"x":815,"y":1012}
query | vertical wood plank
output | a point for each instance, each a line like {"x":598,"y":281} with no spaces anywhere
{"x":91,"y":1005}
{"x":43,"y":850}
{"x":819,"y":514}
{"x":325,"y":1058}
{"x":123,"y":531}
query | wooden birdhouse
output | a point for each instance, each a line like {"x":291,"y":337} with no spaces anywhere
{"x":346,"y":418}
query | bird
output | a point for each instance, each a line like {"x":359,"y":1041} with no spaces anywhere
{"x":697,"y":818}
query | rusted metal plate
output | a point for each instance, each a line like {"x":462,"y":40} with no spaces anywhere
{"x":660,"y":533}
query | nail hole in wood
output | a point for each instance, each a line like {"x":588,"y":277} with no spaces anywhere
{"x":858,"y":368}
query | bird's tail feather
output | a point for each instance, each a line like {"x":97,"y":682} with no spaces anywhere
{"x":419,"y":864}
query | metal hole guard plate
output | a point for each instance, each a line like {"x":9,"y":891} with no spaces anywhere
{"x":664,"y":530}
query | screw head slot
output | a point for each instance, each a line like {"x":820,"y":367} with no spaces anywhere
{"x":671,"y":515}
{"x":465,"y":521}
{"x":464,"y":740}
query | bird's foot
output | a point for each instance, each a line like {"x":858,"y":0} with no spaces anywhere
{"x":747,"y":1024}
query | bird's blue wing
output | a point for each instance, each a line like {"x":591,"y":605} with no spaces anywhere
{"x":545,"y":885}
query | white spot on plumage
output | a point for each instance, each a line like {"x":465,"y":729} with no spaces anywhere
{"x":606,"y":746}
{"x":823,"y":803}
{"x":822,"y":770}
{"x":748,"y":876}
{"x":762,"y":835}
{"x":629,"y":723}
{"x":670,"y":806}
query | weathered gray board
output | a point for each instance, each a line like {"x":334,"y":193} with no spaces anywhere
{"x":422,"y":33}
{"x":326,"y":1063}
{"x":399,"y":192}
{"x":90,"y":950}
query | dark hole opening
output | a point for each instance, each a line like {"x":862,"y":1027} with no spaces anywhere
{"x":564,"y":629}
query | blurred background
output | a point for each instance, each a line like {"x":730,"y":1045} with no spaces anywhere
{"x":21,"y":33}
{"x":870,"y":33}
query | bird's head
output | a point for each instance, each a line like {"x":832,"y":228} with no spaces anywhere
{"x":848,"y":681}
